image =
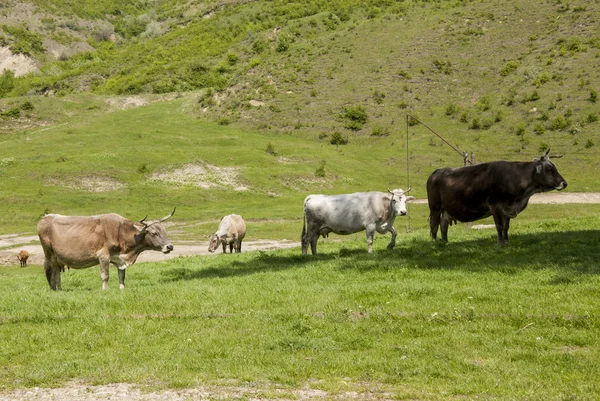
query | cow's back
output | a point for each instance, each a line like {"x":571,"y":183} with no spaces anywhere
{"x":344,"y":213}
{"x":76,"y":239}
{"x":233,"y":224}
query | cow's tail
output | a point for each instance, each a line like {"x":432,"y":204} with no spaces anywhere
{"x":303,"y":227}
{"x":304,"y":221}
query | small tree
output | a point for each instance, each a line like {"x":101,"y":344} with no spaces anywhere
{"x":320,"y":171}
{"x":338,"y":139}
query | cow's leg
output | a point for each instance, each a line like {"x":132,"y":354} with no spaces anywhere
{"x":121,"y":278}
{"x":104,"y":264}
{"x":239,"y":247}
{"x":52,"y":274}
{"x":444,"y":223}
{"x":499,"y":220}
{"x":505,"y":225}
{"x":392,"y":243}
{"x":370,"y":234}
{"x":224,"y":245}
{"x":434,"y":221}
{"x":231,"y":246}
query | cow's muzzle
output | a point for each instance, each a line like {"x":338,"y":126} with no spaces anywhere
{"x":403,"y":213}
{"x":562,"y":186}
{"x":167,"y":248}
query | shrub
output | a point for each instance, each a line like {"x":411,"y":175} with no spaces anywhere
{"x":589,"y":144}
{"x":539,"y":129}
{"x":7,"y":82}
{"x":560,"y":123}
{"x":143,"y":169}
{"x":484,"y":103}
{"x":259,"y":45}
{"x":475,"y":124}
{"x":283,"y":43}
{"x":520,"y":130}
{"x":355,"y":117}
{"x":444,"y":66}
{"x":270,"y":149}
{"x":24,"y":41}
{"x":593,"y":96}
{"x":232,"y":58}
{"x":591,"y":118}
{"x":451,"y":109}
{"x":13,"y":112}
{"x":508,"y":68}
{"x":320,"y":171}
{"x":380,"y":131}
{"x":26,"y":106}
{"x":338,"y":139}
{"x":378,"y":96}
{"x":543,"y":147}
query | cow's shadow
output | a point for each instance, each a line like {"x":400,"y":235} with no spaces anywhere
{"x":575,"y":252}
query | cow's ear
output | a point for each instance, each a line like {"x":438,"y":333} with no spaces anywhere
{"x":538,"y":168}
{"x":410,"y":198}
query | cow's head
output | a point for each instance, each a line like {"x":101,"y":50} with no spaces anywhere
{"x":546,"y":175}
{"x":155,"y":236}
{"x":398,"y":201}
{"x":213,"y":242}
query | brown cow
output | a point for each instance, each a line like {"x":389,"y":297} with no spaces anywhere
{"x":81,"y":241}
{"x":231,"y":231}
{"x":23,"y":256}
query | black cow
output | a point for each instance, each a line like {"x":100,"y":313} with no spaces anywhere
{"x":500,"y":189}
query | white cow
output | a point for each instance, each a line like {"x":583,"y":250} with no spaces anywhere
{"x":231,"y":231}
{"x":351,"y":213}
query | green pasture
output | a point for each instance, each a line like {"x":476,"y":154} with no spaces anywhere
{"x":95,"y":158}
{"x":464,"y":320}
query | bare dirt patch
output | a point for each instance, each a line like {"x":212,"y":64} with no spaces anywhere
{"x":126,"y":391}
{"x":90,"y":183}
{"x":17,"y":63}
{"x":202,"y":175}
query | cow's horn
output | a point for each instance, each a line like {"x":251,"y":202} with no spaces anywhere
{"x":407,"y":190}
{"x":169,"y":216}
{"x":545,"y":154}
{"x":390,"y":191}
{"x":144,"y":219}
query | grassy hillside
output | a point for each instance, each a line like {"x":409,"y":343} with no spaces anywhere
{"x":527,"y":72}
{"x":275,"y":100}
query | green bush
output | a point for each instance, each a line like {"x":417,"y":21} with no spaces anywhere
{"x":24,"y":41}
{"x":338,"y":139}
{"x":270,"y":149}
{"x":508,"y":68}
{"x":355,"y":117}
{"x":7,"y":82}
{"x":593,"y":96}
{"x":380,"y":131}
{"x":13,"y":112}
{"x":320,"y":171}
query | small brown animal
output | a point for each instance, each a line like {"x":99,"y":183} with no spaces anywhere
{"x":232,"y":230}
{"x":23,"y":256}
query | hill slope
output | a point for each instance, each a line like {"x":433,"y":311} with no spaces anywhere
{"x":284,"y":80}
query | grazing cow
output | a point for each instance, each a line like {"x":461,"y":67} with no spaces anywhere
{"x":81,"y":241}
{"x":23,"y":256}
{"x":232,"y":230}
{"x":351,"y":213}
{"x":500,"y":189}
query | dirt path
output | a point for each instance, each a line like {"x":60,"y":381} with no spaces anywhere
{"x":130,"y":392}
{"x":11,"y":244}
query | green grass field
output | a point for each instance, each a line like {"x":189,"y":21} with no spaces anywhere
{"x":468,"y":319}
